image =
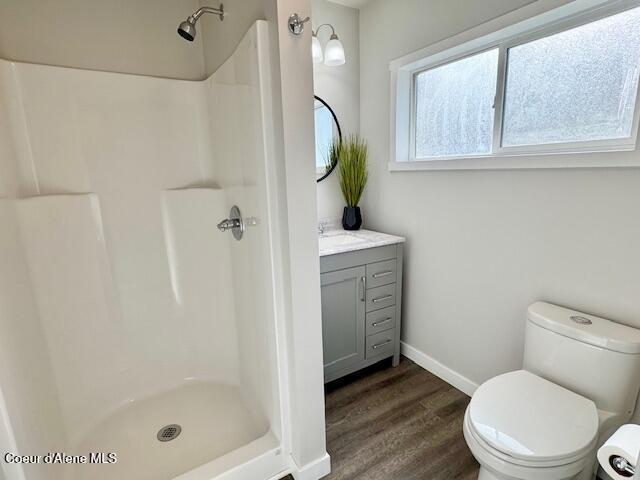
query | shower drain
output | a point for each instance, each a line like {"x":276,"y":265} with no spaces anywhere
{"x":168,"y":433}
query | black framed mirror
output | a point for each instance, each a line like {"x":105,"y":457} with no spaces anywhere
{"x":327,"y":129}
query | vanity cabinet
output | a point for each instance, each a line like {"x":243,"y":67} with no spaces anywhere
{"x":361,"y":308}
{"x":343,"y":319}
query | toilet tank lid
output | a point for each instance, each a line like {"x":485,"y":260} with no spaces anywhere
{"x":585,"y":328}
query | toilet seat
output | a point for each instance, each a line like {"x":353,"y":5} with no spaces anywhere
{"x":476,"y":444}
{"x":526,"y":420}
{"x":497,"y":465}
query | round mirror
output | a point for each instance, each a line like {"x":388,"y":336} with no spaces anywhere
{"x":327,"y":129}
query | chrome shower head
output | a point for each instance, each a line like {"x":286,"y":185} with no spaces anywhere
{"x":187,"y":29}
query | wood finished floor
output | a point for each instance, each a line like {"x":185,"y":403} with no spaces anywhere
{"x":401,"y":423}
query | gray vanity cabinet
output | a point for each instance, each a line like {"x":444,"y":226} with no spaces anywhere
{"x":343,"y":315}
{"x":361,"y":308}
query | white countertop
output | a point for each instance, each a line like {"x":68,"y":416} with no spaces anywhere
{"x":333,"y":242}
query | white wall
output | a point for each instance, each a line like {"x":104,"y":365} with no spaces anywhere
{"x":483,"y":245}
{"x":119,"y":36}
{"x":339,"y":87}
{"x":296,"y":217}
{"x":124,"y":36}
{"x":220,"y":38}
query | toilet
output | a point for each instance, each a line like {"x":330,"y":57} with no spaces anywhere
{"x":579,"y":382}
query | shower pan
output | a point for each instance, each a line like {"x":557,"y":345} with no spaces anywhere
{"x":132,"y":330}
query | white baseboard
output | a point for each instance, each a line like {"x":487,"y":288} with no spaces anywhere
{"x":430,"y":364}
{"x":314,"y":470}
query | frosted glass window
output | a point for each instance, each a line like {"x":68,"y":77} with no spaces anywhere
{"x":454,"y":107}
{"x":563,"y":82}
{"x":577,"y":85}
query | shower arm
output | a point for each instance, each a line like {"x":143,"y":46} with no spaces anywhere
{"x":202,"y":10}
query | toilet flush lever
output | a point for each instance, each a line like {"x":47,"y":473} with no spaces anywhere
{"x":580,"y":320}
{"x":233,"y":223}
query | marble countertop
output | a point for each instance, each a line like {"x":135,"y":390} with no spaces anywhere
{"x":337,"y":241}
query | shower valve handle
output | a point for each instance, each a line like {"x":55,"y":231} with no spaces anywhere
{"x":233,"y":223}
{"x":229,"y":224}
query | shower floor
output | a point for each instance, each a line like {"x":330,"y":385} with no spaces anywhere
{"x":213,"y":418}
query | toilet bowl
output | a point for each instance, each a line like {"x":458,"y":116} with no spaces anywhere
{"x":520,"y":426}
{"x":580,"y":377}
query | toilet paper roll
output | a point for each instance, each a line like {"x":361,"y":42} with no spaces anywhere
{"x":624,"y":443}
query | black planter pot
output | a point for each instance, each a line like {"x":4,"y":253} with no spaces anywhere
{"x":351,"y":218}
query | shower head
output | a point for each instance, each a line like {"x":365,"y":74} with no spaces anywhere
{"x":187,"y":29}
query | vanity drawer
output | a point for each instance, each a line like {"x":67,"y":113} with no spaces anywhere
{"x":380,"y":344}
{"x":381,"y":273}
{"x":381,"y":320}
{"x":381,"y":297}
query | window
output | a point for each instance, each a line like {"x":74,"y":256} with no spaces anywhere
{"x":563,"y":86}
{"x":454,"y":107}
{"x":575,"y":86}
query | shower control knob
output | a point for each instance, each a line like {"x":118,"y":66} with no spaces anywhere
{"x":227,"y":224}
{"x":233,"y":223}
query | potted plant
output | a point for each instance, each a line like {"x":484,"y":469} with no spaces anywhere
{"x":352,"y":167}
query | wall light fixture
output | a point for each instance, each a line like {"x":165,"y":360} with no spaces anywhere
{"x":333,"y":51}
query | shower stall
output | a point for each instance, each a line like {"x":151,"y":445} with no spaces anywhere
{"x":132,"y":330}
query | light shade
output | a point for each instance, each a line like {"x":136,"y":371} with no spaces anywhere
{"x":316,"y":49}
{"x":334,"y":52}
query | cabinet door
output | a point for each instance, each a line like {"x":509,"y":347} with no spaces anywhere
{"x":343,"y":318}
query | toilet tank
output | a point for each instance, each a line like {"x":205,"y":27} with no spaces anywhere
{"x":591,"y":356}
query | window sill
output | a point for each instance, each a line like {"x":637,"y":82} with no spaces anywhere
{"x":616,"y":159}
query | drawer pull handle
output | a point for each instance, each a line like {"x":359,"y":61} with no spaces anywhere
{"x":379,"y":345}
{"x":363,"y":279}
{"x":382,"y":274}
{"x":381,"y":299}
{"x":382,"y":322}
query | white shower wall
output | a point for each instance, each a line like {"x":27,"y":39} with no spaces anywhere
{"x":29,"y":407}
{"x":115,"y":284}
{"x":238,"y":99}
{"x":115,"y":328}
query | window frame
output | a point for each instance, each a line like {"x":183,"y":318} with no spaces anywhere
{"x":567,"y":154}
